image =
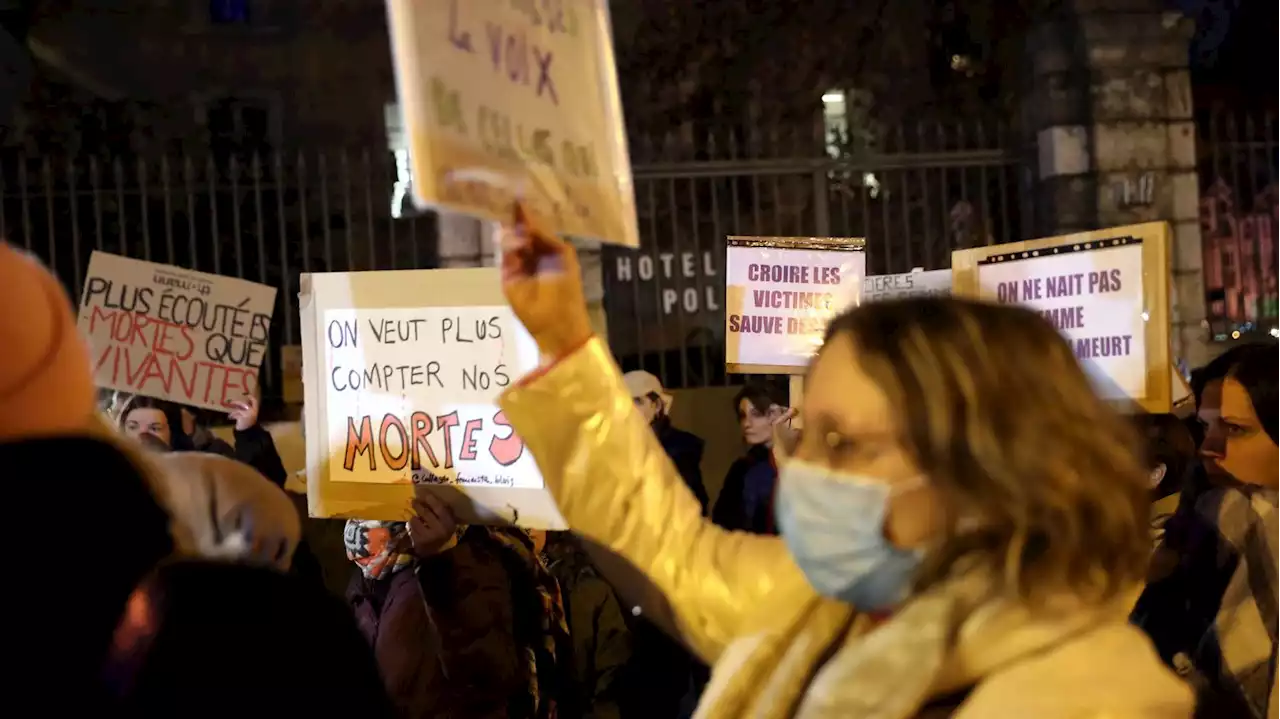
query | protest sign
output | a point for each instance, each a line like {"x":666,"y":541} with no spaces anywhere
{"x":174,"y":334}
{"x":1105,"y":291}
{"x":780,"y":293}
{"x":515,"y":100}
{"x":916,"y":283}
{"x":402,"y":372}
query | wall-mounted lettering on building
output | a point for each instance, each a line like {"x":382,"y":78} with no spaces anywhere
{"x":660,"y":300}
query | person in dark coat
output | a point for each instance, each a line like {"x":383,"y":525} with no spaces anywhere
{"x":598,"y":633}
{"x":1214,"y":571}
{"x":444,"y":609}
{"x":746,"y":497}
{"x":684,"y":448}
{"x":657,"y":676}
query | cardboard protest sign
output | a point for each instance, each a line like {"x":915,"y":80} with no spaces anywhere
{"x":402,"y":372}
{"x":1106,"y":291}
{"x":780,"y":293}
{"x":916,"y":283}
{"x":174,"y":334}
{"x":515,"y":100}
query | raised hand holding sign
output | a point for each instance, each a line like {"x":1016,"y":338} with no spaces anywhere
{"x":542,"y":281}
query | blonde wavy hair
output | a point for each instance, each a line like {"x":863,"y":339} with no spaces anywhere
{"x":1042,"y":481}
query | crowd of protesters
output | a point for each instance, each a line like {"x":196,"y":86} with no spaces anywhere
{"x":960,"y":529}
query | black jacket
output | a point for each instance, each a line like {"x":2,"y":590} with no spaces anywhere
{"x":685,"y":450}
{"x":746,"y":499}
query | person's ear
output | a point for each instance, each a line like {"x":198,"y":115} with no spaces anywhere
{"x":1157,"y":475}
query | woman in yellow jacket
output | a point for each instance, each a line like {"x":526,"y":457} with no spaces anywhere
{"x":964,"y":524}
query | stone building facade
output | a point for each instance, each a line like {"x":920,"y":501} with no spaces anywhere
{"x":1110,"y":111}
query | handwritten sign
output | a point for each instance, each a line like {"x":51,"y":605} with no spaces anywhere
{"x":780,"y":294}
{"x":402,"y":373}
{"x":174,"y":334}
{"x":916,"y":283}
{"x":512,"y":100}
{"x":1105,"y":291}
{"x":412,"y":395}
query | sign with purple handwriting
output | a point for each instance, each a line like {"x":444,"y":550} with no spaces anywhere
{"x":174,"y":334}
{"x":780,"y":293}
{"x":507,"y":100}
{"x":402,"y":373}
{"x":1105,"y":291}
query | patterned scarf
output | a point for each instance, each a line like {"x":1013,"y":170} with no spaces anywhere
{"x":1237,"y":656}
{"x":373,"y":545}
{"x":542,"y":653}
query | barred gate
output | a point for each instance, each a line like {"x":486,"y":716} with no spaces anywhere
{"x":925,"y":193}
{"x":262,"y":218}
{"x":269,"y":218}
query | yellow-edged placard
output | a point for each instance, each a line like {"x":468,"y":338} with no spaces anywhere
{"x":780,"y":293}
{"x":402,"y":371}
{"x":1107,"y":291}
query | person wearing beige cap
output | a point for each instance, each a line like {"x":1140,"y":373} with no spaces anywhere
{"x":685,"y":448}
{"x":666,"y":666}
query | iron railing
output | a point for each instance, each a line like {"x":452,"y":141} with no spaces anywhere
{"x":264,"y":219}
{"x":1238,"y":220}
{"x":915,"y":194}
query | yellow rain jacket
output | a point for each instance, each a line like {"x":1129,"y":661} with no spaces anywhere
{"x":780,"y":650}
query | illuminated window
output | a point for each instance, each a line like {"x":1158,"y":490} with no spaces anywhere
{"x":835,"y":121}
{"x":840,"y":138}
{"x":229,"y":12}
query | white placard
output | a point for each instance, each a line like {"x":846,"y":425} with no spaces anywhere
{"x":412,"y":396}
{"x":916,"y":283}
{"x":1093,"y":296}
{"x":174,"y":334}
{"x":402,"y":371}
{"x":779,"y":301}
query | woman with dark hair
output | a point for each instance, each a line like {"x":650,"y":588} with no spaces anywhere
{"x":746,"y":496}
{"x":1238,"y":412}
{"x":166,"y":421}
{"x":1212,"y":601}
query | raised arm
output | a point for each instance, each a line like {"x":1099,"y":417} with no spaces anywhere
{"x":615,"y":484}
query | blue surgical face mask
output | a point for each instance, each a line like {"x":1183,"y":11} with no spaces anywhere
{"x":833,"y":524}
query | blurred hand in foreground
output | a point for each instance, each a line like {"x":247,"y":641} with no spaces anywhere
{"x":543,"y":283}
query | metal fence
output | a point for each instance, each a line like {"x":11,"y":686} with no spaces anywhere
{"x":916,"y":194}
{"x":264,"y":219}
{"x":1238,"y":219}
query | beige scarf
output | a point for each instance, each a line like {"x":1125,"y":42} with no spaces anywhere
{"x":939,"y":643}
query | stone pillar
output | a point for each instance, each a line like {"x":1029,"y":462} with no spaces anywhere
{"x":1109,"y":106}
{"x":467,"y":242}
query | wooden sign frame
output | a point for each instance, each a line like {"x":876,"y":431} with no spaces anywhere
{"x":827,"y":244}
{"x":1155,"y":238}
